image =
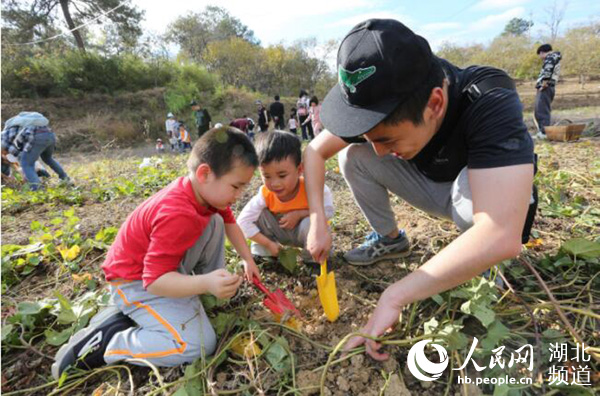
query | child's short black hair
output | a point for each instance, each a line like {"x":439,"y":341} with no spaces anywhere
{"x":544,"y":48}
{"x":314,"y":100}
{"x":277,"y":146}
{"x":276,"y":97}
{"x":220,"y":148}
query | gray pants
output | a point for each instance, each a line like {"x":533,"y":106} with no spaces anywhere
{"x":170,"y":331}
{"x":543,"y":107}
{"x":268,"y":224}
{"x":371,"y":177}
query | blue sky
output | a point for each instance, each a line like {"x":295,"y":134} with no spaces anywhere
{"x":462,"y":22}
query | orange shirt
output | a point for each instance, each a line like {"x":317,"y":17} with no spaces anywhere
{"x":299,"y":202}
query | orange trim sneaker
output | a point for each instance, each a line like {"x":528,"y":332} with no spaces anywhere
{"x":85,"y":349}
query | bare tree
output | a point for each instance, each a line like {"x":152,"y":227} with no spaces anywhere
{"x":555,"y":14}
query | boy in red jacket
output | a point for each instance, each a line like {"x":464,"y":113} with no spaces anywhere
{"x":169,"y":251}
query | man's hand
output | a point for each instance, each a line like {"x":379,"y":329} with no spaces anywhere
{"x":290,"y":220}
{"x":251,"y":270}
{"x":386,"y":315}
{"x":223,"y":284}
{"x":318,"y":241}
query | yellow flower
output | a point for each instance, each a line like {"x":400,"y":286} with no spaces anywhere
{"x":69,"y":254}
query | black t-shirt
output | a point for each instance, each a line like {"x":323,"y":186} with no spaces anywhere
{"x":277,"y":109}
{"x":486,"y":133}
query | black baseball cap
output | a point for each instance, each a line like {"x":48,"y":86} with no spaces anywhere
{"x":380,"y":63}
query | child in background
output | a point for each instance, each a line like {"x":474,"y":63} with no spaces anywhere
{"x":278,"y":214}
{"x":315,"y":116}
{"x":171,"y":126}
{"x":169,"y":251}
{"x":184,"y":136}
{"x":292,"y":124}
{"x":160,"y":148}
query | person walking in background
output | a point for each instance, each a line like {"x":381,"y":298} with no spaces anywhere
{"x":302,"y":110}
{"x":171,"y":126}
{"x":28,"y":138}
{"x":277,"y":113}
{"x":263,"y":117}
{"x":315,"y":116}
{"x":203,"y":120}
{"x":545,"y":86}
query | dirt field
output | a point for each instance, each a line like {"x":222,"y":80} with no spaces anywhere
{"x":106,"y":194}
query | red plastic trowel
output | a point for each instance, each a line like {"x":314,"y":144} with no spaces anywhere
{"x":276,"y":301}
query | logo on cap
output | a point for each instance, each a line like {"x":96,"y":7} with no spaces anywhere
{"x":352,"y":78}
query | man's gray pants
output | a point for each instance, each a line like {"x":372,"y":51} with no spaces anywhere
{"x":371,"y":177}
{"x":543,"y":107}
{"x":268,"y":224}
{"x":170,"y":331}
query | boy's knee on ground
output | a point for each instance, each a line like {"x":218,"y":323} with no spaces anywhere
{"x":201,"y":344}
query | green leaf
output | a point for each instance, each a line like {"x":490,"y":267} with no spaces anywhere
{"x":66,"y":314}
{"x":438,"y":299}
{"x":57,"y":338}
{"x":56,"y":221}
{"x":35,"y":225}
{"x":501,"y":390}
{"x":430,"y":326}
{"x":484,"y":314}
{"x":277,"y":355}
{"x":6,"y":330}
{"x":208,"y":301}
{"x":496,"y":333}
{"x":456,"y":340}
{"x":31,"y":308}
{"x":583,"y":248}
{"x":221,"y":321}
{"x":288,"y":257}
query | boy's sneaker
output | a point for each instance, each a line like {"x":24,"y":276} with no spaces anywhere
{"x":378,"y":247}
{"x":85,"y":349}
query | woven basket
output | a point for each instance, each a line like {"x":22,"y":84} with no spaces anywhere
{"x":564,"y":133}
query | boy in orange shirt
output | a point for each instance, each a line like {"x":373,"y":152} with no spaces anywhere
{"x":169,"y":251}
{"x":278,"y":214}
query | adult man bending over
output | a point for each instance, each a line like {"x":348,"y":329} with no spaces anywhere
{"x":449,"y":141}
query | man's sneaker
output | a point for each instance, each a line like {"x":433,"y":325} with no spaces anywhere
{"x":85,"y":349}
{"x":378,"y":247}
{"x":540,"y":136}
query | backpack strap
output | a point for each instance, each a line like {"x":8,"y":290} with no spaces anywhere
{"x":475,"y":90}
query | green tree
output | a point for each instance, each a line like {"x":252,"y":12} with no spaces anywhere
{"x":236,"y":61}
{"x":517,"y":27}
{"x":43,"y":14}
{"x":194,"y":32}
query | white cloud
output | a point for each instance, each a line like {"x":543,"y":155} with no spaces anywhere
{"x":267,"y":18}
{"x":498,"y":4}
{"x":437,"y":27}
{"x":496,"y":20}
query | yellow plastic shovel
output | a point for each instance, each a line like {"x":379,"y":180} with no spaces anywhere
{"x":328,"y":293}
